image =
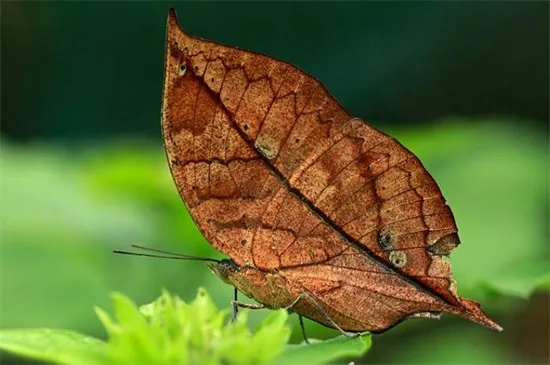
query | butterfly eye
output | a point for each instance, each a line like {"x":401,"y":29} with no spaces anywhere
{"x":182,"y":69}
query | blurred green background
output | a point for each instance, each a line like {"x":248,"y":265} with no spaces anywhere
{"x":464,"y":85}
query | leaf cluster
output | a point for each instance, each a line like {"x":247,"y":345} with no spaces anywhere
{"x":171,"y":331}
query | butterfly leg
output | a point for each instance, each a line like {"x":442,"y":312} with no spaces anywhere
{"x":235,"y":304}
{"x":304,"y":296}
{"x":303,"y":329}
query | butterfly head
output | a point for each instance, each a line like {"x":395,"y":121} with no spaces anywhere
{"x":223,"y":269}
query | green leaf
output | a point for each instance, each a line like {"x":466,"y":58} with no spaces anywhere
{"x":198,"y":329}
{"x":170,"y":331}
{"x":58,"y":346}
{"x":273,"y":335}
{"x":325,"y":351}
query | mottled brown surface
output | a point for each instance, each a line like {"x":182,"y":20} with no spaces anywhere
{"x":300,"y":194}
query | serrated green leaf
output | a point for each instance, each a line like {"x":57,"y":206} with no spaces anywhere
{"x":110,"y":326}
{"x":170,"y":331}
{"x":272,"y":336}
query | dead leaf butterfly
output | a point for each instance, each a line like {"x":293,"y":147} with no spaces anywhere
{"x":319,"y":212}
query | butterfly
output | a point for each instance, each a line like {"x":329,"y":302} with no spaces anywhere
{"x":318,"y":211}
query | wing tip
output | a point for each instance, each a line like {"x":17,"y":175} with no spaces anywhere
{"x":172,"y":23}
{"x":473,"y":312}
{"x":172,"y":16}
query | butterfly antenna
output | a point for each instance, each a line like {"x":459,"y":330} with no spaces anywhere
{"x":166,"y":254}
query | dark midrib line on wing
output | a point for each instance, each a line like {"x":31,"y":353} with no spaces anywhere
{"x":309,"y":204}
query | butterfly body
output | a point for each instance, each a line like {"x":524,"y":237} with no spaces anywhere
{"x":303,"y":197}
{"x":267,"y":288}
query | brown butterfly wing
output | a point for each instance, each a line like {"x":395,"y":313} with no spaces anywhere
{"x":278,"y":176}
